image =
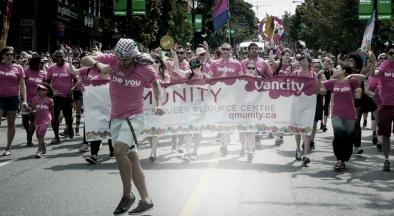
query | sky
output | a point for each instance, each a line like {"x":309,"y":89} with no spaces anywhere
{"x":273,"y":7}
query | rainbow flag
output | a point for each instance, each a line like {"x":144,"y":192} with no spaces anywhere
{"x":220,"y":14}
{"x":368,"y":33}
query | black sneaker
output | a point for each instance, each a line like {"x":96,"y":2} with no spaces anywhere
{"x":64,"y":133}
{"x":142,"y":207}
{"x":29,"y":143}
{"x":124,"y":204}
{"x":365,"y":124}
{"x":379,"y":146}
{"x":92,"y":159}
{"x":71,"y":134}
{"x":312,"y":145}
{"x":374,"y":139}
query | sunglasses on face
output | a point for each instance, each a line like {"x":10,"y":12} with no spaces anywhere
{"x":226,"y":49}
{"x":195,"y":67}
{"x":8,"y":54}
{"x":391,"y":53}
{"x":251,"y":68}
{"x":180,"y":53}
{"x":382,"y":58}
{"x":300,"y":58}
{"x":157,"y":62}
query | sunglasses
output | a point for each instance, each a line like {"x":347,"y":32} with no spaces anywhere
{"x":180,"y":53}
{"x":251,"y":68}
{"x":8,"y":54}
{"x":157,"y":62}
{"x":391,"y":53}
{"x":382,"y":58}
{"x":300,"y":58}
{"x":226,"y":49}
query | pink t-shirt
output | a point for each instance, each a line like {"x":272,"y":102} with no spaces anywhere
{"x":127,"y":87}
{"x":183,"y":65}
{"x":262,"y":67}
{"x":206,"y":68}
{"x":374,"y":85}
{"x":283,"y":70}
{"x":343,"y":97}
{"x":300,"y":73}
{"x":61,"y":79}
{"x":91,"y":76}
{"x":9,"y":79}
{"x":44,"y":106}
{"x":33,"y":78}
{"x":226,"y":68}
{"x":386,"y":70}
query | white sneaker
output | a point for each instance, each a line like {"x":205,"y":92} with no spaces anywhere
{"x":84,"y":148}
{"x":7,"y":153}
{"x":38,"y":154}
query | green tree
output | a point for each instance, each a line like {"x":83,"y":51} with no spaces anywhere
{"x":331,"y":25}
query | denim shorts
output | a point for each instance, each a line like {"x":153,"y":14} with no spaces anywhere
{"x":10,"y":104}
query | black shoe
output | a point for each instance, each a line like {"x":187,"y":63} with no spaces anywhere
{"x":29,"y":143}
{"x":379,"y":146}
{"x":92,"y":159}
{"x":111,"y":154}
{"x":374,"y":139}
{"x":64,"y":133}
{"x":142,"y":207}
{"x":71,"y":134}
{"x":124,"y":204}
{"x":312,"y":145}
{"x":76,"y":131}
{"x":338,"y":166}
{"x":365,"y":123}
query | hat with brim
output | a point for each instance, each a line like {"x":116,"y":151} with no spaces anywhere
{"x":39,"y":86}
{"x":200,"y":50}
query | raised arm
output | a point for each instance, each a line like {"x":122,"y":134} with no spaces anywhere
{"x":176,"y":65}
{"x":90,"y":61}
{"x":157,"y":94}
{"x":207,"y":55}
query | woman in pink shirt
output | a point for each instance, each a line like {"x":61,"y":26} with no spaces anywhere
{"x":43,"y":106}
{"x":35,"y":75}
{"x":343,"y":111}
{"x":12,"y":84}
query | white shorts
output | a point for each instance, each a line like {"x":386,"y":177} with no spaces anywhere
{"x":121,"y":132}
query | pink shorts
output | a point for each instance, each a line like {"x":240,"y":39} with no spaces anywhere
{"x":386,"y":119}
{"x":41,"y":130}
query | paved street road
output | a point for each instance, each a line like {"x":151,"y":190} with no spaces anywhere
{"x":273,"y":184}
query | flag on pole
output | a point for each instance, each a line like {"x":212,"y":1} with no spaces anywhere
{"x":220,"y":13}
{"x":368,"y":33}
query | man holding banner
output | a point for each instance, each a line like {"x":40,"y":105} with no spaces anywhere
{"x":130,"y":71}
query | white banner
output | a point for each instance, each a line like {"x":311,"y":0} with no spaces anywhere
{"x":97,"y":108}
{"x":228,"y":104}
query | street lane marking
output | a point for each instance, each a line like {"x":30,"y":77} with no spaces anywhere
{"x":195,"y":197}
{"x":5,"y":163}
